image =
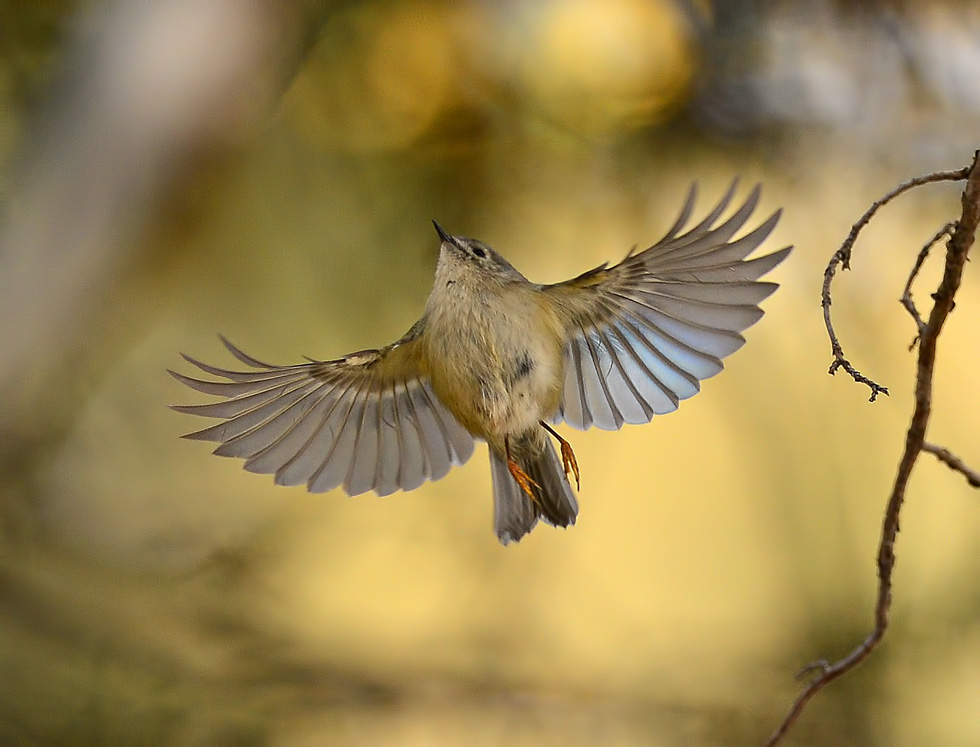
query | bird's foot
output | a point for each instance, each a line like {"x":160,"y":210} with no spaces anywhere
{"x":568,"y":461}
{"x":523,"y":479}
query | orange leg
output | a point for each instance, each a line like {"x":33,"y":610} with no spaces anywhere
{"x":568,"y":461}
{"x":522,"y":477}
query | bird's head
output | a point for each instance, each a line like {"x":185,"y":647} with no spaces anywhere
{"x":470,"y":262}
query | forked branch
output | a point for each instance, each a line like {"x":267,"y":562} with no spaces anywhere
{"x":842,"y":259}
{"x":906,"y":299}
{"x":957,"y":250}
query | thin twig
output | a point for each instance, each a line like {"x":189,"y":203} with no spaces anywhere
{"x":952,"y":461}
{"x":957,"y":249}
{"x":906,"y":299}
{"x":842,"y":258}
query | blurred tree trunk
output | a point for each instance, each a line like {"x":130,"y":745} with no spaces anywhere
{"x":145,"y":89}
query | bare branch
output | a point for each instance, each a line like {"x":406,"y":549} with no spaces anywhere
{"x":906,"y":299}
{"x":957,"y":249}
{"x":842,"y":258}
{"x":952,"y":461}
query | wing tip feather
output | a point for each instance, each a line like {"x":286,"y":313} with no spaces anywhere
{"x":241,"y":355}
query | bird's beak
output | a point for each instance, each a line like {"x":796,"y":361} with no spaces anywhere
{"x":442,"y":234}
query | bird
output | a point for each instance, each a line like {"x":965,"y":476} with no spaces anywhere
{"x":500,"y":359}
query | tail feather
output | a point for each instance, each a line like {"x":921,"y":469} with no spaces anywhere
{"x":515,"y":514}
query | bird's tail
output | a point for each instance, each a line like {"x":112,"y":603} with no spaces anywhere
{"x":515,"y":514}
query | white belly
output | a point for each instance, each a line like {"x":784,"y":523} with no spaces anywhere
{"x":499,"y":372}
{"x":521,"y":402}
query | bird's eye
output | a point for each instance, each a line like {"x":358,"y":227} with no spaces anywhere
{"x":478,"y":252}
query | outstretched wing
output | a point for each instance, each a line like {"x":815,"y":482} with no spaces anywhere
{"x":640,"y":336}
{"x":368,"y":421}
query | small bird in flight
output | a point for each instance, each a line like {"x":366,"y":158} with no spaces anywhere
{"x":498,"y":358}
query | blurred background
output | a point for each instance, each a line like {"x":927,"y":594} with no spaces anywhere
{"x":172,"y":169}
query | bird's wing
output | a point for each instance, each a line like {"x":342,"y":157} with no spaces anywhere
{"x":368,"y":421}
{"x":640,"y":336}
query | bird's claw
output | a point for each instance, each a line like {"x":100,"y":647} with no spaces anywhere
{"x":523,"y":479}
{"x":568,"y":462}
